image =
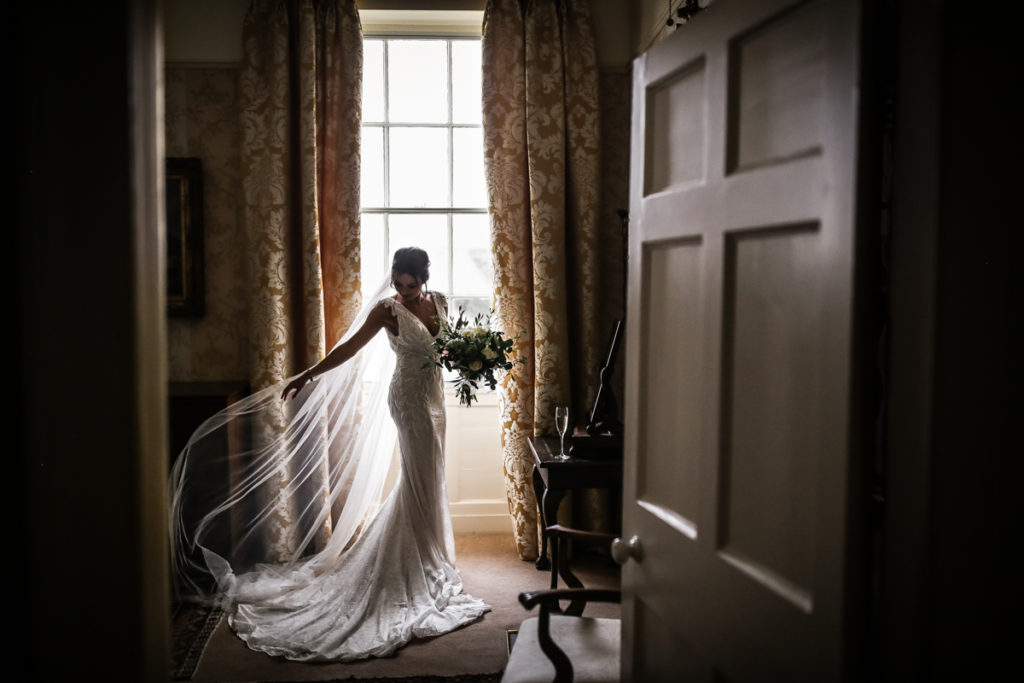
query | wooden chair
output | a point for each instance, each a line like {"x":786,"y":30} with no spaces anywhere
{"x":564,"y":646}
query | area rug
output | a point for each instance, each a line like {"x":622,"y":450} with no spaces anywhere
{"x":191,"y":627}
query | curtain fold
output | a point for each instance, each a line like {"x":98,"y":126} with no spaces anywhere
{"x":300,"y":99}
{"x":300,"y":91}
{"x":542,"y":147}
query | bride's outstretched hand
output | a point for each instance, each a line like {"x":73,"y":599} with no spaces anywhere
{"x":342,"y":352}
{"x":296,"y":385}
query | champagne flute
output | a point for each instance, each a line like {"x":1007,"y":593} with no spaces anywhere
{"x":562,"y":425}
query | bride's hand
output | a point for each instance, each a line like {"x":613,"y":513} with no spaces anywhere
{"x":296,"y":385}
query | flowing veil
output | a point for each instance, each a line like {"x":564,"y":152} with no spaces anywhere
{"x":278,"y":489}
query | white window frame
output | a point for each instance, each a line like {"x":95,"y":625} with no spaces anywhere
{"x":427,"y":25}
{"x":449,"y":211}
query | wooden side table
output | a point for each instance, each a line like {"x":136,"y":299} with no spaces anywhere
{"x":553,"y":478}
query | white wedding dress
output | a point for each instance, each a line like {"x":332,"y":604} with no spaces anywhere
{"x":397,"y":580}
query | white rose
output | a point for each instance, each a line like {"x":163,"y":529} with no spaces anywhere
{"x":489,"y":353}
{"x":475,"y":365}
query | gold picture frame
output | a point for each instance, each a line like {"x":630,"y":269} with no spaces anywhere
{"x":184,"y":184}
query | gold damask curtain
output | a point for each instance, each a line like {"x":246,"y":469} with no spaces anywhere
{"x":300,"y":101}
{"x":300,"y":94}
{"x":542,"y":147}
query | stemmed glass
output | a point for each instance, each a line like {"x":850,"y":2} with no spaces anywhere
{"x":562,"y":425}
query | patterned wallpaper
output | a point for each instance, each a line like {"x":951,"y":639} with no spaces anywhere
{"x":202,"y":120}
{"x":615,"y":95}
{"x":591,"y":508}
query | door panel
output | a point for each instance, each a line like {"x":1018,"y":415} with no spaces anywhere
{"x":771,"y":383}
{"x":654,"y":665}
{"x":777,"y":77}
{"x":677,"y":127}
{"x":738,"y":392}
{"x":671,"y":410}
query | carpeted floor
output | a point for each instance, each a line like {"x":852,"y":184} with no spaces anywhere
{"x":468,"y":678}
{"x":474,"y":654}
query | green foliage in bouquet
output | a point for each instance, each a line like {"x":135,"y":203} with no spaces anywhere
{"x":475,"y":352}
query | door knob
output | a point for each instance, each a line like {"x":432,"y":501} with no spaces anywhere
{"x":623,"y":550}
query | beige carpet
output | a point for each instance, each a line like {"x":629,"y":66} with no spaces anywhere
{"x":490,"y":570}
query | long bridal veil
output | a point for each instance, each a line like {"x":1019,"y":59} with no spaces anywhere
{"x":278,"y":489}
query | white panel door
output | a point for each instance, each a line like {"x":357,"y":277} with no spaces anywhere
{"x":739,"y":392}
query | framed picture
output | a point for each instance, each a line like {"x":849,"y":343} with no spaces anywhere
{"x":184,"y":181}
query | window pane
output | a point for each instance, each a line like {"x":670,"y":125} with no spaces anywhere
{"x":374,"y":260}
{"x":472,"y":306}
{"x":470,"y":189}
{"x":419,"y":167}
{"x":466,"y":75}
{"x":371,"y":167}
{"x":426,"y":231}
{"x":417,"y":81}
{"x":471,"y":255}
{"x":373,"y":80}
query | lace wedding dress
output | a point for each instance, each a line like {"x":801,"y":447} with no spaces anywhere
{"x":396,"y":579}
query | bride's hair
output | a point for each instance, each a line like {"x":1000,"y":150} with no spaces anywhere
{"x":411,"y":261}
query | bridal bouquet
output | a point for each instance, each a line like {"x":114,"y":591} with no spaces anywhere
{"x":476,"y":352}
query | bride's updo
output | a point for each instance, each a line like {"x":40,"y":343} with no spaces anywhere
{"x":411,"y":261}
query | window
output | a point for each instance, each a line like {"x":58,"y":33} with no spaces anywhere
{"x":423,"y":163}
{"x":423,"y":184}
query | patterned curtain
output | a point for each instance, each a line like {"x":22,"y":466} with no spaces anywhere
{"x":542,"y":146}
{"x":300,"y":91}
{"x":301,"y":83}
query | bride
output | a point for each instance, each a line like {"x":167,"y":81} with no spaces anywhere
{"x":274,"y":510}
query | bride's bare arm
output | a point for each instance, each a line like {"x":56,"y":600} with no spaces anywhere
{"x":377,"y":319}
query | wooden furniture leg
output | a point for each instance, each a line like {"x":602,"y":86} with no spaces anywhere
{"x":539,"y":490}
{"x":552,"y":499}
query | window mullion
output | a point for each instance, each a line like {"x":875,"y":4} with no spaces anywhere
{"x":451,"y":170}
{"x":387,"y":209}
{"x":387,"y":154}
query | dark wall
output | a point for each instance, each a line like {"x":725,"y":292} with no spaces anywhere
{"x":89,"y":376}
{"x":952,"y":510}
{"x":980,"y":299}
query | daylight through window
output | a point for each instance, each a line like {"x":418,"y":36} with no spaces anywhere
{"x":422,"y":163}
